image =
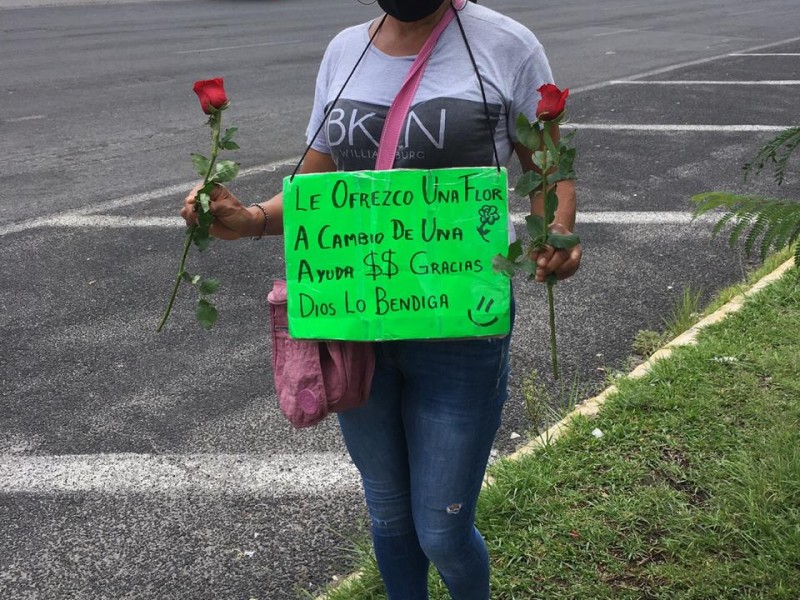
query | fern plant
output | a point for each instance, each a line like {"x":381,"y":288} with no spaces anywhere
{"x":763,"y":223}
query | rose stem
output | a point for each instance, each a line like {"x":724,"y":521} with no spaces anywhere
{"x":550,"y":278}
{"x":186,"y":245}
{"x":216,"y":123}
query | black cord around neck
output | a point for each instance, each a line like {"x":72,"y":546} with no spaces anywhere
{"x":358,"y":62}
{"x":483,"y":91}
{"x":335,"y":100}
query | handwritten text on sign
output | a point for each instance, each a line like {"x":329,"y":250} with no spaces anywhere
{"x":402,"y":254}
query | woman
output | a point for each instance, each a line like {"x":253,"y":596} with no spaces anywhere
{"x":422,"y":441}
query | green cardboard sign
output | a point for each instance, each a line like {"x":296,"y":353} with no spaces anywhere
{"x":401,"y":254}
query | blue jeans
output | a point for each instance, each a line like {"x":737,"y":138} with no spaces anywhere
{"x":421,"y":444}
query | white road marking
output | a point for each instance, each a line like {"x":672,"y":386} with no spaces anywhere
{"x":764,"y":54}
{"x":274,"y":475}
{"x":676,"y":66}
{"x":747,"y":12}
{"x":705,"y":82}
{"x":239,"y":47}
{"x":113,"y":222}
{"x":627,"y":218}
{"x":121,"y":222}
{"x":181,"y":188}
{"x":618,"y":31}
{"x":667,"y":128}
{"x":21,"y":119}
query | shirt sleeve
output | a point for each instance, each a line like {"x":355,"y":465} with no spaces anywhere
{"x":533,"y":73}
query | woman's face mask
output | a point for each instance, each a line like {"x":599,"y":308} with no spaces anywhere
{"x":409,"y":10}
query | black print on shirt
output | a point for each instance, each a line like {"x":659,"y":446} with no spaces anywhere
{"x":437,"y":134}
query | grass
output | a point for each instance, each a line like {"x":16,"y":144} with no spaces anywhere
{"x":693,"y":491}
{"x":545,"y":405}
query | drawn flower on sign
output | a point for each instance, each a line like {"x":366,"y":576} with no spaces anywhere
{"x":489,"y":215}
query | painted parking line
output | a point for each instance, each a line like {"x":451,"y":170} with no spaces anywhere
{"x":619,"y":31}
{"x":628,"y":218}
{"x":746,"y":12}
{"x":275,"y":475}
{"x":764,"y":54}
{"x":705,"y":82}
{"x":662,"y":128}
{"x":239,"y":47}
{"x":23,"y":119}
{"x":113,"y":222}
{"x":134,"y":199}
{"x":593,"y":217}
{"x":683,"y":65}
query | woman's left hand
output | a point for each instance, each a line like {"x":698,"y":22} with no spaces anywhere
{"x":564,"y":263}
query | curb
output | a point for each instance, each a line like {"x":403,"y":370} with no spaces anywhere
{"x":591,"y":407}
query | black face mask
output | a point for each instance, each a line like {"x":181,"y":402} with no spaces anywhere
{"x":409,"y":10}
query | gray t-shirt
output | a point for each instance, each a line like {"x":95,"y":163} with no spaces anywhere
{"x":446,"y":125}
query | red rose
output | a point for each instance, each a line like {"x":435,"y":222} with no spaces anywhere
{"x":211,"y":93}
{"x":552,"y":103}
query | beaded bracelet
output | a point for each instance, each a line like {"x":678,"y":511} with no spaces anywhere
{"x":266,"y":218}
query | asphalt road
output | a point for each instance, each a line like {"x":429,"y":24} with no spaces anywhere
{"x":136,"y":465}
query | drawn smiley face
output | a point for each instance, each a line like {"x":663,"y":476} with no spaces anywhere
{"x":481,"y":321}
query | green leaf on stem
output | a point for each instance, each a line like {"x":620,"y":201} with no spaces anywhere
{"x":527,"y":266}
{"x":225,"y":170}
{"x":201,"y":164}
{"x":201,"y":238}
{"x":548,"y":141}
{"x":229,"y":145}
{"x":540,"y":160}
{"x":500,"y":264}
{"x":208,"y":286}
{"x":528,"y":133}
{"x":205,"y":202}
{"x":508,"y":264}
{"x":187,"y":277}
{"x":535,"y":226}
{"x":528,"y":182}
{"x":515,"y":251}
{"x":229,"y":133}
{"x":563,"y":241}
{"x":206,"y":313}
{"x":566,"y":138}
{"x":207,"y":188}
{"x":565,"y":161}
{"x":550,"y":206}
{"x":205,"y":219}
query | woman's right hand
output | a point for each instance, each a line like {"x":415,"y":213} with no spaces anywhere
{"x":232,"y":220}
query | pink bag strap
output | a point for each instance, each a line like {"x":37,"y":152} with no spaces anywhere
{"x":402,"y":102}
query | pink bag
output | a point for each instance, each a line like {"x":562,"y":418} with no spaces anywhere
{"x":315,"y":378}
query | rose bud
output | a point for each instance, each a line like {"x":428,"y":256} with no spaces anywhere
{"x":552,"y":103}
{"x":212,"y":94}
